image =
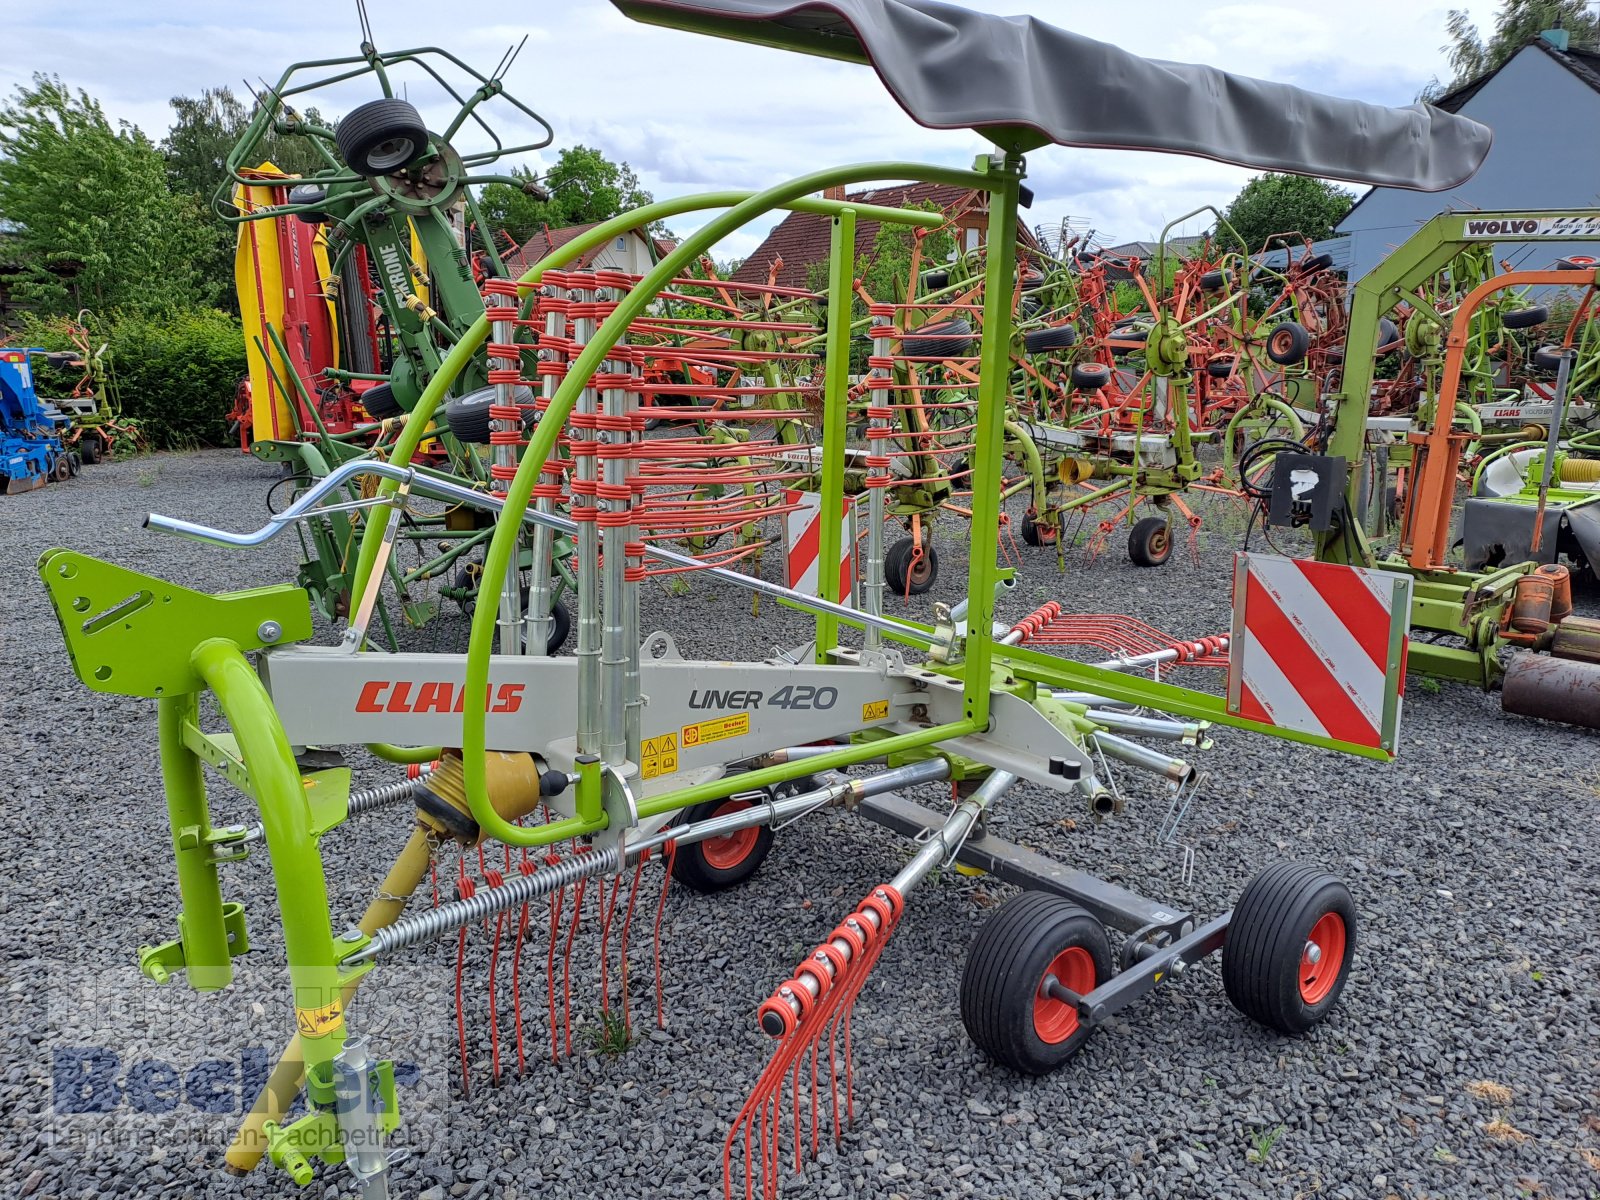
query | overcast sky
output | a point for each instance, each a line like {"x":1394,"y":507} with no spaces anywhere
{"x":691,"y":113}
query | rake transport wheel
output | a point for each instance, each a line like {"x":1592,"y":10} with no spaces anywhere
{"x":1289,"y":947}
{"x":724,"y":862}
{"x":1035,"y":534}
{"x":1004,"y":1004}
{"x":380,"y":402}
{"x":1150,"y":542}
{"x":382,"y":136}
{"x":905,"y":577}
{"x":1287,"y":343}
{"x":91,"y":448}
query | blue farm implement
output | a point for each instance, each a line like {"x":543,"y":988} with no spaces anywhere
{"x":31,"y":449}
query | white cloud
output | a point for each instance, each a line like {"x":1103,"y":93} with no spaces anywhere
{"x":692,"y":113}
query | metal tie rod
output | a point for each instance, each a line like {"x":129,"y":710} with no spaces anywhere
{"x":441,"y":489}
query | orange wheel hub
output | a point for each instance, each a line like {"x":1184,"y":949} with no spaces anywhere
{"x":1323,"y":958}
{"x":726,"y":852}
{"x":1056,"y":1020}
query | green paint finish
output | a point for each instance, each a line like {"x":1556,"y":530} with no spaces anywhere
{"x":131,"y":634}
{"x":836,"y":376}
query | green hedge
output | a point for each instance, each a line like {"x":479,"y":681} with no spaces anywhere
{"x":175,"y":374}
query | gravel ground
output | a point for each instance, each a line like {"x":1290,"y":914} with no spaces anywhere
{"x":1464,"y":1060}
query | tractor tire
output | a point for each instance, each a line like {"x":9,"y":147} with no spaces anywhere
{"x":1090,"y":377}
{"x":380,"y":403}
{"x":1030,"y":937}
{"x":382,"y":137}
{"x":1150,"y":542}
{"x":1289,"y":947}
{"x":939,"y":339}
{"x":91,"y":448}
{"x":1288,"y":343}
{"x":1525,"y":318}
{"x":1220,"y":368}
{"x":901,"y":577}
{"x":717,"y":864}
{"x":1057,"y":337}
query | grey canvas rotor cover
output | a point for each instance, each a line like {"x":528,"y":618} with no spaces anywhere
{"x":1022,"y":83}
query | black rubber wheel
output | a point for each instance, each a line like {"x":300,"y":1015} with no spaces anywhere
{"x":1316,"y":262}
{"x":560,"y":627}
{"x":1057,"y":337}
{"x":1089,"y":376}
{"x":1212,"y":280}
{"x":91,"y":448}
{"x":61,"y":469}
{"x":720,"y":863}
{"x":382,"y":136}
{"x":939,"y":339}
{"x":1578,"y":262}
{"x":1031,"y":936}
{"x":309,"y":193}
{"x":1150,"y":542}
{"x":1288,"y":343}
{"x":1269,"y":967}
{"x":1035,"y":534}
{"x":1220,"y":368}
{"x":468,"y":416}
{"x":933,"y":281}
{"x":1525,"y":318}
{"x":1547,"y":359}
{"x":380,"y":403}
{"x":904,"y":579}
{"x":1388,"y":336}
{"x":74,"y":463}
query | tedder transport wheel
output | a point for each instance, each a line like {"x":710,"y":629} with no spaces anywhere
{"x":382,"y":136}
{"x":380,"y":402}
{"x":1035,"y":534}
{"x":901,"y":576}
{"x":1150,"y":542}
{"x":90,"y":447}
{"x":1005,"y":1006}
{"x":724,"y":862}
{"x":1289,"y":946}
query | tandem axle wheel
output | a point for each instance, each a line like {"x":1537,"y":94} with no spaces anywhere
{"x":1039,"y":976}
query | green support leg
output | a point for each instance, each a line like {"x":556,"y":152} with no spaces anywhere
{"x":202,"y":932}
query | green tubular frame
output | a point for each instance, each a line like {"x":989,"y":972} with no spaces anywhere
{"x":740,"y":208}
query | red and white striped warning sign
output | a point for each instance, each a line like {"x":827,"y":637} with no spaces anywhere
{"x":802,"y":529}
{"x":1319,"y":648}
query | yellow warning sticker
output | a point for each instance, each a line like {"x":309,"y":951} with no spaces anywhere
{"x":314,"y":1022}
{"x":659,"y":755}
{"x":716,"y":729}
{"x":875,"y":710}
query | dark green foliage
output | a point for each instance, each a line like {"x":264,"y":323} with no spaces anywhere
{"x":205,"y":129}
{"x":1517,"y":23}
{"x":1283,"y":204}
{"x":584,"y":185}
{"x":91,"y":220}
{"x":177,"y":371}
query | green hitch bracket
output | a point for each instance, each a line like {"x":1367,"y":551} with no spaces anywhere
{"x":130,"y":634}
{"x":159,"y":963}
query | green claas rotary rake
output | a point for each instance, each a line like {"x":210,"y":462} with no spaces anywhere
{"x":590,"y":768}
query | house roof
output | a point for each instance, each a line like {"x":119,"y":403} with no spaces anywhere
{"x":1584,"y":64}
{"x":801,"y":239}
{"x":1149,"y":249}
{"x":546,"y":240}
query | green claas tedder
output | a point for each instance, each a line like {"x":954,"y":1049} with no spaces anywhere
{"x":626,"y":753}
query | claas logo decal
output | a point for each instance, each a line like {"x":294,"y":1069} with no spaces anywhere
{"x":406,"y":696}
